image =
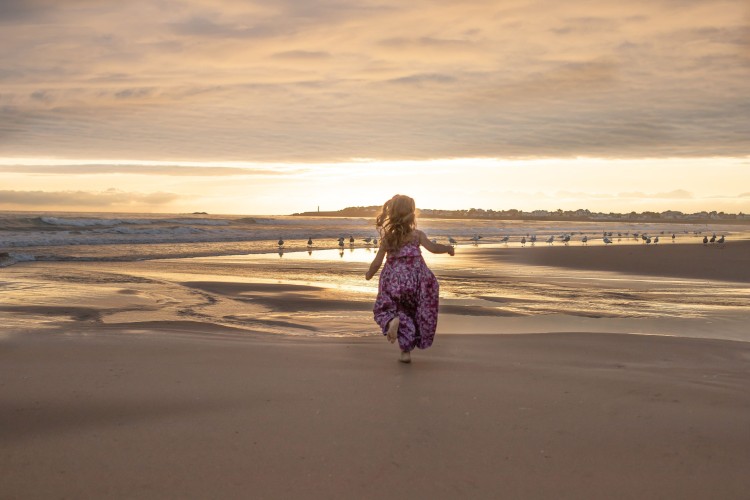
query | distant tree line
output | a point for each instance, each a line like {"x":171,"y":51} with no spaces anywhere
{"x":559,"y":214}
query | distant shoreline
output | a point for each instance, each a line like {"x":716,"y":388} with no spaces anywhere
{"x":346,"y":213}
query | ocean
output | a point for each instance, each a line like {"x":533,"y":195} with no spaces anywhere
{"x":132,"y":237}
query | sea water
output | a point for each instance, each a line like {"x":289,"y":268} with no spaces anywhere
{"x":133,"y":237}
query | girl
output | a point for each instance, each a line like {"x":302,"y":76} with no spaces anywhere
{"x":407,"y":305}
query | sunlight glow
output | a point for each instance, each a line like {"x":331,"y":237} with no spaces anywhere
{"x":598,"y":184}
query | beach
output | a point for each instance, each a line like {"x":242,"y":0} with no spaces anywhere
{"x":217,"y":226}
{"x":566,"y":371}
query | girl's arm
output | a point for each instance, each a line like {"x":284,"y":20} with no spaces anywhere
{"x":434,"y":247}
{"x":377,"y":261}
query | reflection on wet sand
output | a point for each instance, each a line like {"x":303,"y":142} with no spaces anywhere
{"x":323,"y":292}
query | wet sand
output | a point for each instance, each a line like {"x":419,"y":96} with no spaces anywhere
{"x":161,"y":379}
{"x":728,"y":262}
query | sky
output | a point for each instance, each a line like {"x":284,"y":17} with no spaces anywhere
{"x":286,"y":106}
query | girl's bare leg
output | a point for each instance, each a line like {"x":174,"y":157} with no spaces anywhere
{"x":393,"y":330}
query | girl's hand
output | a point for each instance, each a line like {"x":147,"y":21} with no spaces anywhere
{"x":451,"y":251}
{"x":368,"y":276}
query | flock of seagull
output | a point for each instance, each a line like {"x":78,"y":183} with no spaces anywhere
{"x":341,"y":240}
{"x":565,"y":238}
{"x":607,"y":238}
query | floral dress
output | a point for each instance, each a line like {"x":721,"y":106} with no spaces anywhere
{"x":409,"y":290}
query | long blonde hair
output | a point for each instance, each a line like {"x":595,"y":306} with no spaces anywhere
{"x":396,"y":222}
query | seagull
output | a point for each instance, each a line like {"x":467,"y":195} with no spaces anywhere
{"x":505,"y":240}
{"x":550,"y":240}
{"x":566,"y":238}
{"x":281,"y":242}
{"x":341,"y":242}
{"x":713,"y":239}
{"x":648,"y":240}
{"x":434,"y":240}
{"x":523,"y":241}
{"x":533,"y":239}
{"x":351,"y":240}
{"x":585,"y":240}
{"x":656,"y":240}
{"x":476,"y":238}
{"x":367,"y":240}
{"x":673,"y":237}
{"x":375,"y":242}
{"x":451,"y":240}
{"x":721,"y":240}
{"x":705,"y":240}
{"x":607,"y":241}
{"x":309,"y":242}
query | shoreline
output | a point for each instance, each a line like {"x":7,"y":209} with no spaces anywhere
{"x":672,"y":289}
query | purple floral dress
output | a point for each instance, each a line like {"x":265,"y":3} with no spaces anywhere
{"x":409,"y":290}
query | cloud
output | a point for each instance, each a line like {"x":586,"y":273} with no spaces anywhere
{"x":203,"y":27}
{"x":587,"y":25}
{"x":13,"y":11}
{"x":134,"y":93}
{"x":326,"y":80}
{"x":677,"y":194}
{"x":425,"y":42}
{"x":302,"y":54}
{"x":167,"y":170}
{"x":105,"y":199}
{"x":423,"y":78}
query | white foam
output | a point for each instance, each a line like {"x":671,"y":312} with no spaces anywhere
{"x":58,"y":221}
{"x":86,"y":222}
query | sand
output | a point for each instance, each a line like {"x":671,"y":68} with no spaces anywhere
{"x":132,"y":390}
{"x":726,"y":262}
{"x":184,"y":414}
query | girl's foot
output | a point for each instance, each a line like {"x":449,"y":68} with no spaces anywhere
{"x":393,"y":330}
{"x":405,"y":357}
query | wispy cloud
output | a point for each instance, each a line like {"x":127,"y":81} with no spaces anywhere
{"x":167,"y":170}
{"x":677,"y":194}
{"x":302,"y":55}
{"x":100,"y":200}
